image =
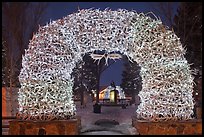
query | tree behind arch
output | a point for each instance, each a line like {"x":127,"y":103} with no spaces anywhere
{"x":19,"y":21}
{"x":188,"y":26}
{"x":131,"y":81}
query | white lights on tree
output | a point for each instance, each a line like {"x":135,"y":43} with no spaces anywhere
{"x":46,"y":83}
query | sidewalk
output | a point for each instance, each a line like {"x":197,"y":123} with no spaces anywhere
{"x":123,"y":116}
{"x":101,"y":133}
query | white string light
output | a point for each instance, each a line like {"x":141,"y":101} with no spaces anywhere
{"x":45,"y":77}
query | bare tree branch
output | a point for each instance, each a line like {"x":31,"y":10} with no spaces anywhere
{"x":19,"y":21}
{"x":166,"y":10}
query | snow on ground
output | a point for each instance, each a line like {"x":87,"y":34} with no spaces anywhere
{"x":101,"y":133}
{"x":123,"y":116}
{"x":107,"y":112}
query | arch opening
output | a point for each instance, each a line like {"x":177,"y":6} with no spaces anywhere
{"x":88,"y":75}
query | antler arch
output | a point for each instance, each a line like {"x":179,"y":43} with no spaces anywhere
{"x":46,"y":84}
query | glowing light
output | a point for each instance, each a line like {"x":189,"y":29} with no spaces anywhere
{"x":110,"y":88}
{"x":46,"y":83}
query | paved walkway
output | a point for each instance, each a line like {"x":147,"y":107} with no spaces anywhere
{"x":123,"y":116}
{"x":101,"y":133}
{"x":88,"y":118}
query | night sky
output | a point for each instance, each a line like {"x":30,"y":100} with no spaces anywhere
{"x":57,"y":10}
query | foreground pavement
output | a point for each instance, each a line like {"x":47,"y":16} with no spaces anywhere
{"x":88,"y":119}
{"x":122,"y":116}
{"x":101,"y":133}
{"x":121,"y":129}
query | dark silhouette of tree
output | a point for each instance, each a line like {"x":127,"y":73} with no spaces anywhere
{"x":101,"y":67}
{"x":87,"y":75}
{"x":131,"y":81}
{"x":188,"y":27}
{"x":165,"y":10}
{"x":19,"y":21}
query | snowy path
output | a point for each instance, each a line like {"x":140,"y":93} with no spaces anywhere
{"x":123,"y":116}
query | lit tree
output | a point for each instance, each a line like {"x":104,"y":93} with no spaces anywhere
{"x":9,"y":74}
{"x":19,"y":21}
{"x":3,"y":62}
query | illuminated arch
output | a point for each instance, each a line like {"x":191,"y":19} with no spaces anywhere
{"x":46,"y":83}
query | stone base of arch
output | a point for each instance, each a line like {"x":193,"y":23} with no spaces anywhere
{"x":55,"y":127}
{"x":190,"y":127}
